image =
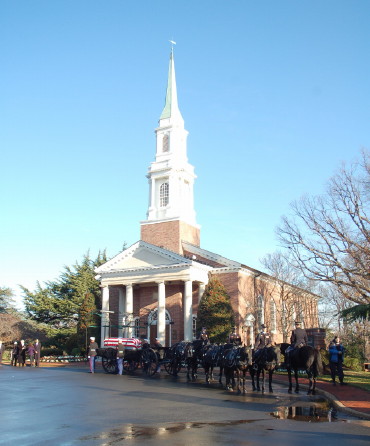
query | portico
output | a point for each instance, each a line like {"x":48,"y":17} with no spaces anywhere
{"x":147,"y":278}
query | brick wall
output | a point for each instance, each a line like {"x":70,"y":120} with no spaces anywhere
{"x":169,"y":234}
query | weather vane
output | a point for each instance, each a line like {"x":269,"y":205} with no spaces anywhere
{"x":172,"y":42}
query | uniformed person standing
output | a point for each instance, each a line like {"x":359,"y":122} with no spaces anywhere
{"x":92,"y":354}
{"x":120,"y":356}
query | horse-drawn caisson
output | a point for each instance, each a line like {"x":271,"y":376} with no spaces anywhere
{"x":136,"y":355}
{"x":233,"y":361}
{"x":140,"y":355}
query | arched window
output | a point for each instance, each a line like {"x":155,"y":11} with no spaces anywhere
{"x":163,"y":195}
{"x":166,"y":143}
{"x":260,"y":309}
{"x":272,"y":315}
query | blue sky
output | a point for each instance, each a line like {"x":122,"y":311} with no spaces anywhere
{"x":275,"y":96}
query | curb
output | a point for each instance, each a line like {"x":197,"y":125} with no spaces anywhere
{"x":333,"y":399}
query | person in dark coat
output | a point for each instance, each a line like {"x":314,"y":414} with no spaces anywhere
{"x":37,"y":346}
{"x":2,"y":350}
{"x":263,"y":339}
{"x":31,"y":353}
{"x":91,"y":354}
{"x":299,"y":336}
{"x":234,"y":338}
{"x":203,"y":336}
{"x":14,"y":354}
{"x":336,"y":358}
{"x":298,"y":339}
{"x":22,"y":353}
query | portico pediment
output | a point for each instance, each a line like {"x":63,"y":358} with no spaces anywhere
{"x":142,"y":255}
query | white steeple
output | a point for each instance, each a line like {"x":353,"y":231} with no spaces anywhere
{"x":171,"y":177}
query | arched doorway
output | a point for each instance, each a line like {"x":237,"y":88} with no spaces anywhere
{"x":152,"y":327}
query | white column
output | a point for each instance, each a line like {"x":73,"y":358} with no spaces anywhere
{"x":161,"y":316}
{"x":129,"y":307}
{"x":121,"y":311}
{"x":104,"y":331}
{"x":188,"y":311}
{"x":202,"y":287}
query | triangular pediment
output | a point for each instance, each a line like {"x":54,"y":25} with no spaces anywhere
{"x":142,"y":255}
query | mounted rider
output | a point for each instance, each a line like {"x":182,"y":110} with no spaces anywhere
{"x":203,"y":336}
{"x":234,"y":338}
{"x":263,"y":339}
{"x":298,"y":339}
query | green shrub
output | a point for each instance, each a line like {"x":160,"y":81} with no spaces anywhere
{"x":353,"y":364}
{"x":76,"y":352}
{"x":51,"y":351}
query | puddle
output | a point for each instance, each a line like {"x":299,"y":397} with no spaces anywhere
{"x":131,"y":431}
{"x":312,"y":412}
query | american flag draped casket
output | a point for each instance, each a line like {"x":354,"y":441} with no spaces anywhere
{"x":129,"y":343}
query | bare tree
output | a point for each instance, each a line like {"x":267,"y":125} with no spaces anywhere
{"x":291,"y":293}
{"x":329,"y":236}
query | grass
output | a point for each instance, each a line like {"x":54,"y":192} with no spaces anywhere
{"x":356,"y":379}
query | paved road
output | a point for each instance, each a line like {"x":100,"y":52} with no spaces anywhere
{"x":68,"y":406}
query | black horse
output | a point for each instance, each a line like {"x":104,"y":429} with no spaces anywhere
{"x":175,"y":358}
{"x":193,"y":354}
{"x":213,"y":357}
{"x":267,"y":361}
{"x":236,"y":363}
{"x":304,"y":358}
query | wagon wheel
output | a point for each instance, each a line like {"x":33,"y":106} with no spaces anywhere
{"x":173,"y":367}
{"x":109,"y":361}
{"x":149,"y":361}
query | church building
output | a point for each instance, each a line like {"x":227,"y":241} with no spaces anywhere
{"x":152,"y":289}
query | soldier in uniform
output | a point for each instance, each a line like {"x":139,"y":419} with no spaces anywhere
{"x":120,"y":356}
{"x":297,"y":339}
{"x":263,"y":339}
{"x":92,"y":354}
{"x":204,"y":336}
{"x":234,"y":338}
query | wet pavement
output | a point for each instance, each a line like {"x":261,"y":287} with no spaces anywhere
{"x":68,"y":406}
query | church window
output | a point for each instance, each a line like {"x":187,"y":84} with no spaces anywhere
{"x":260,"y":309}
{"x":273,"y":315}
{"x":166,"y":143}
{"x":164,"y":194}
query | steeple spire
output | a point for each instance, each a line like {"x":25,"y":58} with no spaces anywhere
{"x":171,"y":109}
{"x":171,"y":214}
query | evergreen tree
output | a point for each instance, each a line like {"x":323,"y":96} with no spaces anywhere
{"x":215,"y":311}
{"x":70,"y":303}
{"x":6,"y":300}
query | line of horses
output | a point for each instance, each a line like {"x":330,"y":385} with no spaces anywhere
{"x":234,"y":362}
